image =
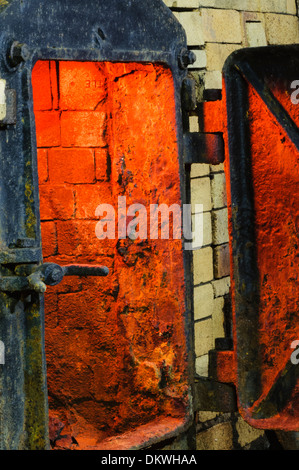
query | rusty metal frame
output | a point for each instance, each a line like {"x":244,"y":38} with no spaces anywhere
{"x":80,"y":30}
{"x":243,"y":67}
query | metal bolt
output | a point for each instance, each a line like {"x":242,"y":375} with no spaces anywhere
{"x":186,"y":58}
{"x":53,"y":273}
{"x":18,"y":53}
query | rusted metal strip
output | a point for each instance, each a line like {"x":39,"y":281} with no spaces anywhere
{"x":203,"y":148}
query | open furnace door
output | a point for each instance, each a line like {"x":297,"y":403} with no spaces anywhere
{"x":262,"y":169}
{"x":91,"y":121}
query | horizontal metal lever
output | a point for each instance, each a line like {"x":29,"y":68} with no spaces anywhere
{"x":85,"y":270}
{"x":51,"y":274}
{"x":48,"y":274}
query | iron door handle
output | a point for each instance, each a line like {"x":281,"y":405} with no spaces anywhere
{"x":51,"y":274}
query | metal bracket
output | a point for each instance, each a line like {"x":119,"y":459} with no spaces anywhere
{"x":217,"y":392}
{"x":203,"y":148}
{"x":210,"y":395}
{"x":188,"y":94}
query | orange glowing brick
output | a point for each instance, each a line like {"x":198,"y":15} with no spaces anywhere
{"x":56,"y":202}
{"x":212,"y":116}
{"x":83,"y":129}
{"x":41,"y":84}
{"x":82,"y":85}
{"x":71,"y":165}
{"x":102,"y":164}
{"x":89,"y":196}
{"x":48,"y":231}
{"x":47,"y":125}
{"x":42,"y":158}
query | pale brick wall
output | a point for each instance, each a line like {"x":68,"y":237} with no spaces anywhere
{"x":216,"y":28}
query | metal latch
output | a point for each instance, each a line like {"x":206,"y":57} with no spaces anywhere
{"x":28,"y":278}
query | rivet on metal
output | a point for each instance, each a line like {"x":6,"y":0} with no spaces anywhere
{"x":186,"y":58}
{"x":18,"y":53}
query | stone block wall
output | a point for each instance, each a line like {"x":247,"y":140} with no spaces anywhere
{"x":216,"y":28}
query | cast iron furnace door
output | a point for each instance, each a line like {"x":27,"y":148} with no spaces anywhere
{"x":91,"y":117}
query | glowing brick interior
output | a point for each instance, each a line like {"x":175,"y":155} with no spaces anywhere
{"x":115,"y":346}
